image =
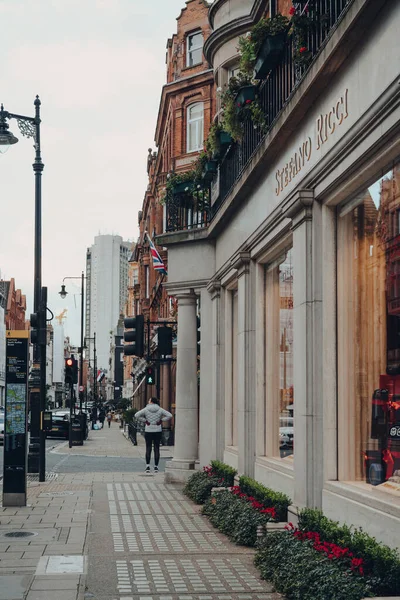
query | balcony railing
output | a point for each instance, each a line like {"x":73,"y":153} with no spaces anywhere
{"x":274,"y":93}
{"x":188,"y":210}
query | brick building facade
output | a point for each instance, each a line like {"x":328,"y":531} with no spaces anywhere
{"x":187,"y":106}
{"x":15,"y":307}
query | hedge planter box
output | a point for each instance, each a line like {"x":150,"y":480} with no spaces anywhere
{"x":269,"y":55}
{"x":246,"y":95}
{"x":210,"y":169}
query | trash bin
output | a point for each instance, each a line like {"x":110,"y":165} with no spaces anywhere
{"x":76,"y":431}
{"x":83,"y":419}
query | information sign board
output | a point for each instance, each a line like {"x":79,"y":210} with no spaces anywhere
{"x":15,"y":418}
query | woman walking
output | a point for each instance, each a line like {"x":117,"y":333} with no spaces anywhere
{"x":154,"y":415}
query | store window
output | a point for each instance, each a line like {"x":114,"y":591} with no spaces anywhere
{"x":195,"y":127}
{"x":235,"y":367}
{"x":194,"y":49}
{"x":369,"y":332}
{"x":286,"y":396}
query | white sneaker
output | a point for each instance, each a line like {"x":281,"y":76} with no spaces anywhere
{"x":147,"y":470}
{"x":155,"y":469}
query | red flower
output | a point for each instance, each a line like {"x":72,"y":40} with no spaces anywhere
{"x":303,"y":49}
{"x":239,"y":105}
{"x":248,"y":101}
{"x":292,"y":11}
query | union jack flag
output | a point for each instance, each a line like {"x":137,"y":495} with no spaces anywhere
{"x":157,"y":260}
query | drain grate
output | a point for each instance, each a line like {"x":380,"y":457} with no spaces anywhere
{"x":19,"y":534}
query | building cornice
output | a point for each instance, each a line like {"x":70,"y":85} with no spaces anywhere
{"x":232,"y":29}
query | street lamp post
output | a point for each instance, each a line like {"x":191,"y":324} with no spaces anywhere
{"x":63,"y":294}
{"x":30,"y":128}
{"x":94,"y":366}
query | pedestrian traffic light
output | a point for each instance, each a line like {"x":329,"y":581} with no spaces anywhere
{"x":150,"y":379}
{"x":164,"y":335}
{"x":68,"y":370}
{"x":136,"y":335}
{"x":198,"y":336}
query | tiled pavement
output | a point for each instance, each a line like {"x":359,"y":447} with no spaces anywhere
{"x":118,"y":536}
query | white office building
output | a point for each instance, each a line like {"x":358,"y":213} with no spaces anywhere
{"x":106,"y":292}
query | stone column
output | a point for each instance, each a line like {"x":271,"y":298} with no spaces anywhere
{"x":246,"y":367}
{"x":186,"y":418}
{"x":307,"y":350}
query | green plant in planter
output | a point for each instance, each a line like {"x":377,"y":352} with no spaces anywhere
{"x":300,"y":26}
{"x":251,"y":44}
{"x":300,"y":573}
{"x":236,"y":110}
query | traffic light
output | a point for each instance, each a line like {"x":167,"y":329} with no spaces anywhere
{"x":71,"y":370}
{"x":164,"y":341}
{"x":74,"y":370}
{"x":150,"y":379}
{"x":198,"y":335}
{"x":38,"y":332}
{"x":136,"y":324}
{"x":69,"y":362}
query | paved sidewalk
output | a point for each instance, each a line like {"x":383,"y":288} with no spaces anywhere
{"x":118,"y":536}
{"x":111,"y":442}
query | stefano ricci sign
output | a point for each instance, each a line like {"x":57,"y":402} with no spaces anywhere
{"x":325,"y":126}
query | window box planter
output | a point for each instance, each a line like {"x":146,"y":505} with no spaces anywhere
{"x":245,"y":95}
{"x":181,"y":188}
{"x":210,"y":169}
{"x":269,"y":54}
{"x":224,"y":138}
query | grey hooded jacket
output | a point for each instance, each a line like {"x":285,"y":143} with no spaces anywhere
{"x":153,"y":414}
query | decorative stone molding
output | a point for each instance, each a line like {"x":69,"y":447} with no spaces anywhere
{"x":232,"y":29}
{"x":298,"y":208}
{"x":214,"y":288}
{"x":241,"y":262}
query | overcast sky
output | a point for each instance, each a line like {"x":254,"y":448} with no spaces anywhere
{"x":98,"y":67}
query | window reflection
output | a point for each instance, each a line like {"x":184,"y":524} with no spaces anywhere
{"x":286,"y":396}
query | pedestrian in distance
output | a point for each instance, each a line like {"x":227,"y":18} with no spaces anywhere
{"x":102,"y":416}
{"x":109,"y":417}
{"x":153,"y":415}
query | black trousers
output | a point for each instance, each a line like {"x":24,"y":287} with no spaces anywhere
{"x":151,"y":438}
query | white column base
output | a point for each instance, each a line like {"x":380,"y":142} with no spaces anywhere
{"x":179,"y":471}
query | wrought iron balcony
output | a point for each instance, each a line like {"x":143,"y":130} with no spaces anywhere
{"x":276,"y":91}
{"x":183,"y":213}
{"x":188,"y":209}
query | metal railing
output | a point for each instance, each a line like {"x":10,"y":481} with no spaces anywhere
{"x":276,"y":91}
{"x":188,"y":210}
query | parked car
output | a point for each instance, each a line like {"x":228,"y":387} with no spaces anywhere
{"x":286,"y":431}
{"x":2,"y":428}
{"x":60,"y":426}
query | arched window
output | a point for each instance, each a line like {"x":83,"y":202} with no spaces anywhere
{"x":195,"y":127}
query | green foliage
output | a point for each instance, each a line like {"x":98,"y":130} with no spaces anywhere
{"x":213,"y":147}
{"x":224,"y":471}
{"x":234,"y":517}
{"x":232,"y":115}
{"x":198,"y":487}
{"x":128,"y":415}
{"x":381,"y":563}
{"x":268,"y":497}
{"x":250,"y":44}
{"x":301,"y":573}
